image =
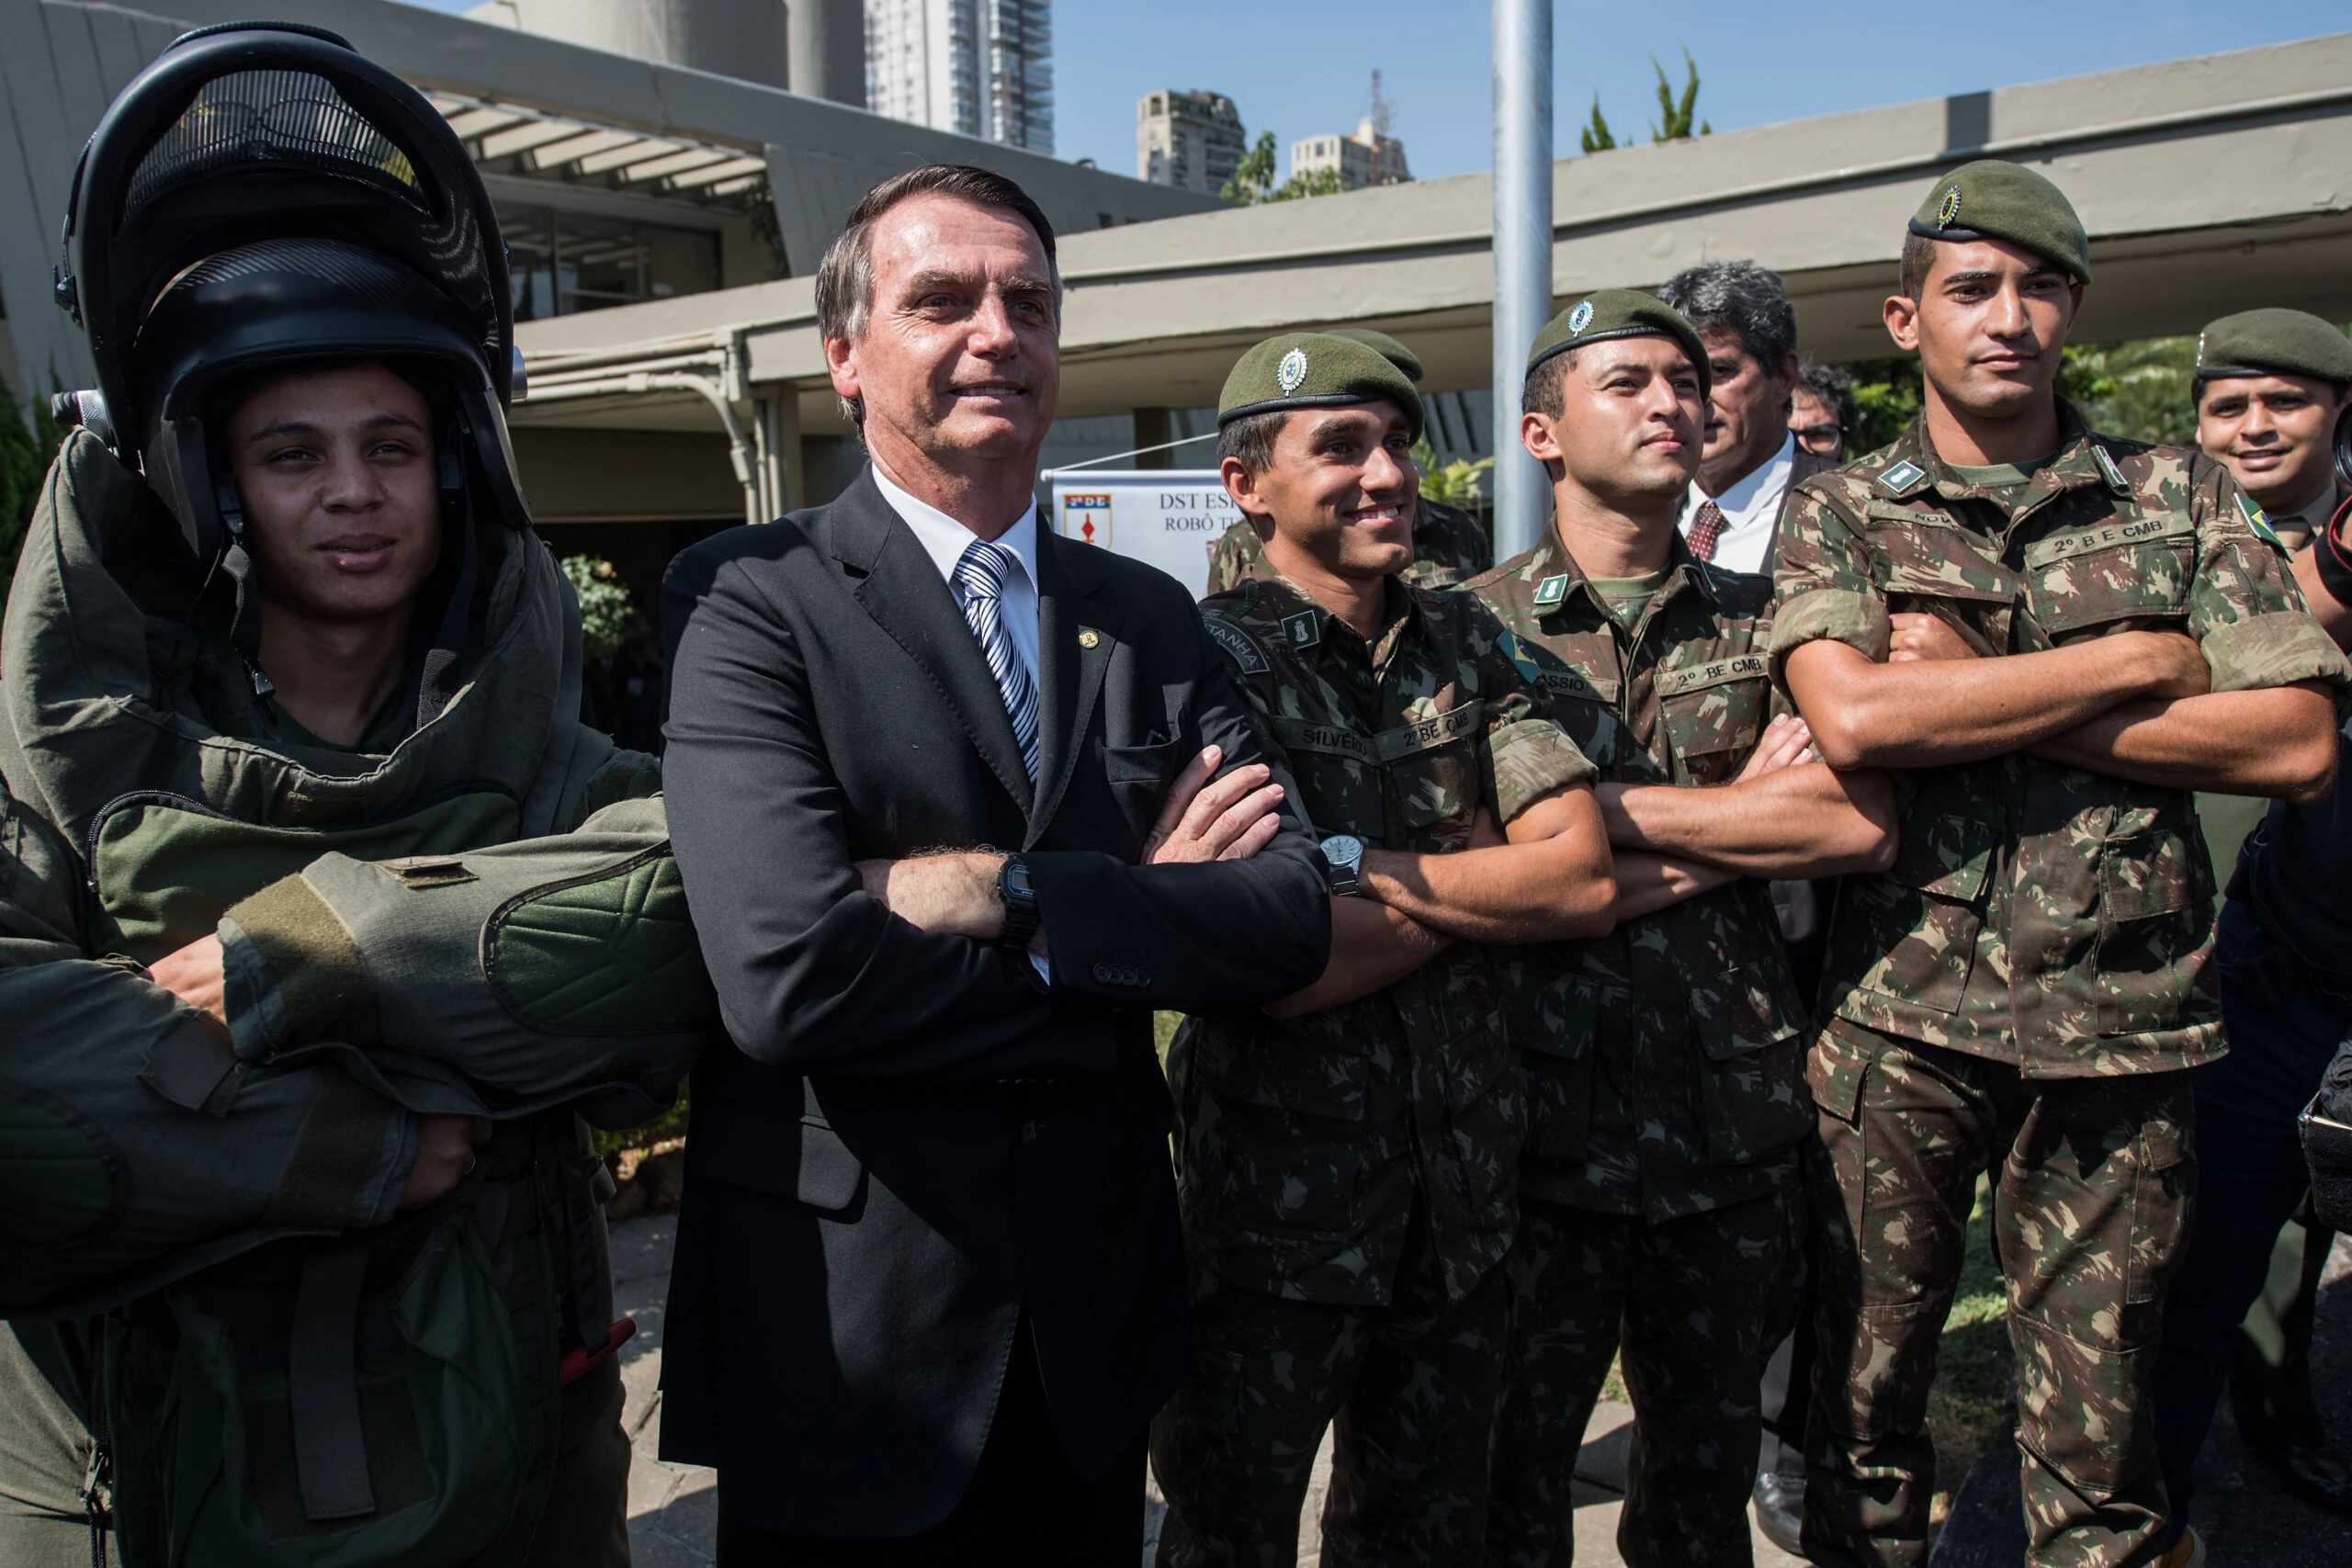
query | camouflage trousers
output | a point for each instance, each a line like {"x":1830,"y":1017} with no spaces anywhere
{"x":1685,"y":1301}
{"x":1407,"y":1389}
{"x":2093,"y":1183}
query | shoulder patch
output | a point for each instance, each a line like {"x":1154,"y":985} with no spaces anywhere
{"x":1551,"y":591}
{"x":2107,"y":466}
{"x":1239,"y":645}
{"x":2259,"y":521}
{"x":1302,"y":629}
{"x":1903,"y":479}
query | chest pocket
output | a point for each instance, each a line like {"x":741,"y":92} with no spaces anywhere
{"x":1713,"y":712}
{"x":2127,"y":568}
{"x":1924,"y":561}
{"x":1335,"y":772}
{"x":1433,"y":763}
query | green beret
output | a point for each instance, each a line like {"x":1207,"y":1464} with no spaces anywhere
{"x":1388,"y":347}
{"x":2274,"y":342}
{"x":1994,"y":199}
{"x":1618,"y":312}
{"x":1313,"y":370}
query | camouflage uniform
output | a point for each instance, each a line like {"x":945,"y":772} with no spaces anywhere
{"x":1449,"y":545}
{"x":2027,"y":986}
{"x":1666,"y":1093}
{"x":1348,"y":1177}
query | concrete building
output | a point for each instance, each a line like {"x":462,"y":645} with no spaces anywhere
{"x":976,"y":67}
{"x":621,"y":182}
{"x":1191,"y":140}
{"x":813,"y":47}
{"x":2207,"y":184}
{"x":1365,"y":158}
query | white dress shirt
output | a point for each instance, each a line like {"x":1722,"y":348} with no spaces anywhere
{"x":944,"y":540}
{"x":1749,"y":509}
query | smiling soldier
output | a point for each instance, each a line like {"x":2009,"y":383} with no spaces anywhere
{"x":1348,"y":1163}
{"x":2051,"y":637}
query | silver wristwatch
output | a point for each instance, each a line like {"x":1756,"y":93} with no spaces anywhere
{"x":1343,"y":860}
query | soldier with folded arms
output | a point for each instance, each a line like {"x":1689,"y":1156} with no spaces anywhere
{"x":2051,"y":637}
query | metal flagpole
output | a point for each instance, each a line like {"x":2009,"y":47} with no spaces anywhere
{"x":1522,"y":40}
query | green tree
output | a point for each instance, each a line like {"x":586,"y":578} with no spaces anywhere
{"x":608,"y":615}
{"x":25,"y":457}
{"x":1451,"y":484}
{"x":1676,"y":114}
{"x":1306,"y":183}
{"x":1253,"y":177}
{"x":2139,"y":389}
{"x":1886,"y":391}
{"x":1596,"y":137}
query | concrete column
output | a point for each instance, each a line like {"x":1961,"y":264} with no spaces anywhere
{"x":1154,"y":427}
{"x":1522,"y":42}
{"x":826,"y":46}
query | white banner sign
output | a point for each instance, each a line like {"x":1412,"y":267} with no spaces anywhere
{"x":1171,"y":518}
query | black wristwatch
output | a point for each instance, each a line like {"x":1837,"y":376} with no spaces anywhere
{"x":1343,"y":864}
{"x":1020,"y":901}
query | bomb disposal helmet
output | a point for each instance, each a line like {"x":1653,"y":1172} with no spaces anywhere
{"x":262,"y":196}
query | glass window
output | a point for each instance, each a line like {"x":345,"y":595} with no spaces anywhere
{"x":567,"y":261}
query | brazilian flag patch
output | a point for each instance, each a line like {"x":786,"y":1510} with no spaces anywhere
{"x":2260,"y":524}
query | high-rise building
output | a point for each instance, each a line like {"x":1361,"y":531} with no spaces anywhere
{"x":1191,"y":140}
{"x":981,"y":67}
{"x":1366,"y":158}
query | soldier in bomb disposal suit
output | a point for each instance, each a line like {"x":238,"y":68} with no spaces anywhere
{"x":2050,"y":636}
{"x":1349,"y":1157}
{"x":1449,"y":544}
{"x":1664,"y":1065}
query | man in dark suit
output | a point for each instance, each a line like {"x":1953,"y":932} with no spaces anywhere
{"x":929,"y":1287}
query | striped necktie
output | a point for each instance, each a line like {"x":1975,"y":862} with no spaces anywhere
{"x":1706,"y":530}
{"x":979,"y":583}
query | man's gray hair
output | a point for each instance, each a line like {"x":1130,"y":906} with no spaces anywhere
{"x":1742,"y":299}
{"x":845,"y":278}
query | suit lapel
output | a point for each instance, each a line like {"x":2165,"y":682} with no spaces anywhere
{"x":895,"y":581}
{"x":1076,"y":635}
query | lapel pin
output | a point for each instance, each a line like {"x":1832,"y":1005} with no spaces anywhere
{"x":1090,"y":638}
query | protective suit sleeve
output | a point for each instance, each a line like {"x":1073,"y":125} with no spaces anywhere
{"x":500,"y":981}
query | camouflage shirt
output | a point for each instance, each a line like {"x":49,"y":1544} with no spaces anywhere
{"x":2040,"y":915}
{"x":1309,"y":1143}
{"x":1663,"y":1066}
{"x":1449,"y":545}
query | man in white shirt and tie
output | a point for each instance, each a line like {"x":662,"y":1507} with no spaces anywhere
{"x":1749,"y":460}
{"x":1748,"y":463}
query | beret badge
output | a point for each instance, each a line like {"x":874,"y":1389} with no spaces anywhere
{"x":1581,"y":317}
{"x":1948,"y":208}
{"x":1291,"y":371}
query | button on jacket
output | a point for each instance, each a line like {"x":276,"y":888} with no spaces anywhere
{"x":1662,"y":1061}
{"x":1304,"y":1142}
{"x":2057,"y":920}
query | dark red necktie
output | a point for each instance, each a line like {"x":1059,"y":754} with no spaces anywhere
{"x":1706,"y":530}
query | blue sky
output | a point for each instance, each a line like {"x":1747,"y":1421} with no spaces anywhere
{"x":1301,"y":67}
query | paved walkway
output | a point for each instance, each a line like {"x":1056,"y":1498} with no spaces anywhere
{"x":2249,"y":1518}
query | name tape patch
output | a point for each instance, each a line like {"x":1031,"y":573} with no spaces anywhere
{"x":1388,"y":746}
{"x":2107,"y":537}
{"x":1715,"y":672}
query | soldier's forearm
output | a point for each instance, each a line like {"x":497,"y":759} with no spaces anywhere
{"x":1648,"y":882}
{"x":2278,"y":741}
{"x":1550,"y":883}
{"x":1372,"y":946}
{"x":1941,"y":712}
{"x":1802,"y":821}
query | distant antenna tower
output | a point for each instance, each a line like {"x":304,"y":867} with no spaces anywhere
{"x":1381,"y":111}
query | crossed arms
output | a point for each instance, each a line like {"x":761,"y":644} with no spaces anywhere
{"x":2133,"y":705}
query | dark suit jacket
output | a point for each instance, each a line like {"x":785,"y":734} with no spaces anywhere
{"x":915,"y":1141}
